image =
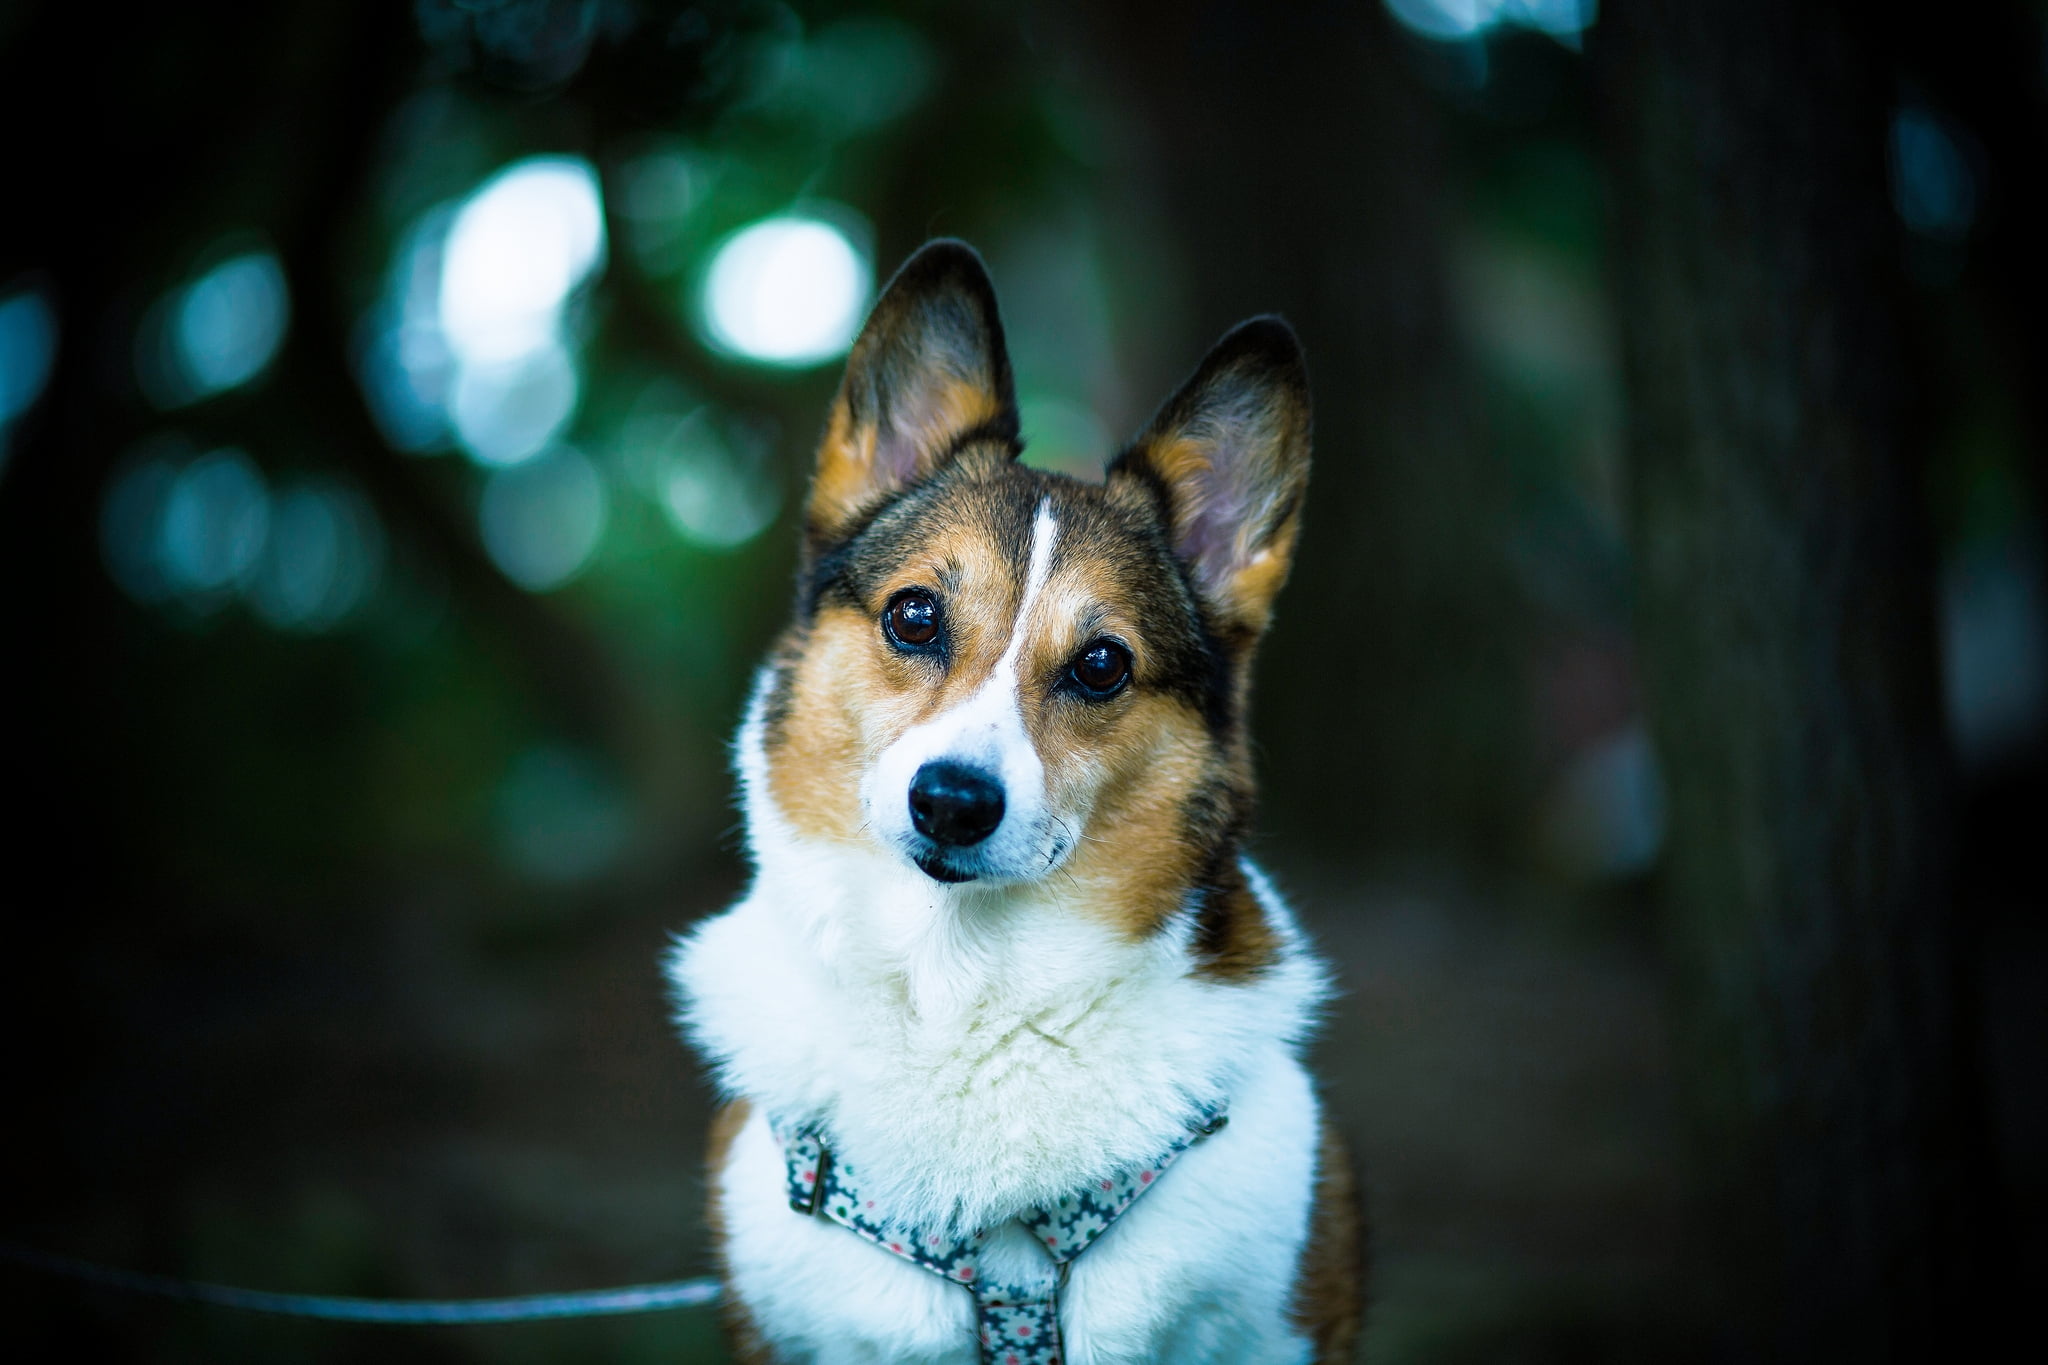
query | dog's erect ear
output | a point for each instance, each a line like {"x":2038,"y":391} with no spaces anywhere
{"x":928,"y":373}
{"x":1229,"y":457}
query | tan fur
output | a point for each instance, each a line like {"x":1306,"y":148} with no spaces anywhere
{"x":1260,"y":555}
{"x":817,"y":749}
{"x":1329,"y":1294}
{"x":1128,"y":766}
{"x":847,"y":479}
{"x":851,"y":696}
{"x":741,"y":1334}
{"x":1262,"y":549}
{"x":1134,"y":857}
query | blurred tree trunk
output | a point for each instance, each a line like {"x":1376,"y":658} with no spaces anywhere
{"x":1389,"y":713}
{"x":1785,"y":621}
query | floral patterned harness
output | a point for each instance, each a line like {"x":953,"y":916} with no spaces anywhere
{"x":1016,"y":1324}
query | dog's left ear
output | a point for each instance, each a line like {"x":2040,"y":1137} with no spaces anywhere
{"x":928,"y":375}
{"x":1228,"y":456}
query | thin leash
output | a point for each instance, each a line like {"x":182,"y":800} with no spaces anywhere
{"x":638,"y":1298}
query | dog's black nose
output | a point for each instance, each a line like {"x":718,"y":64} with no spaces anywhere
{"x":953,"y":804}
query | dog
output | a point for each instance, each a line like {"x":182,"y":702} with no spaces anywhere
{"x":1008,"y":1026}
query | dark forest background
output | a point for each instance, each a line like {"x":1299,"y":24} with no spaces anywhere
{"x":1654,"y":732}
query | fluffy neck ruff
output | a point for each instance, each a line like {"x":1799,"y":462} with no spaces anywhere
{"x":975,"y":1051}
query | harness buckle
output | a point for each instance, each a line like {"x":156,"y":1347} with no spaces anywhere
{"x":809,"y":1204}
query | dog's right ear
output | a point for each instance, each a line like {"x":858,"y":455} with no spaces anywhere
{"x":928,"y":375}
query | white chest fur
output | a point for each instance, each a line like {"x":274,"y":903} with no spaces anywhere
{"x":978,"y":1054}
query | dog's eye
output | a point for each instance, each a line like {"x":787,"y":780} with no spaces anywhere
{"x":1103,"y":667}
{"x":912,"y":621}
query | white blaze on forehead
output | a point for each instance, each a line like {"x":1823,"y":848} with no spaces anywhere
{"x":994,"y":704}
{"x":985,"y":730}
{"x":1044,"y":528}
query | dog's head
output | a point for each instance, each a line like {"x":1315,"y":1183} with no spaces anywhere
{"x":998,"y":674}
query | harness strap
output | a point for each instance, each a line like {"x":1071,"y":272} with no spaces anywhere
{"x":1016,"y":1324}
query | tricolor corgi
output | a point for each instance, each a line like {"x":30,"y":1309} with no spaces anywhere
{"x":1009,"y":1026}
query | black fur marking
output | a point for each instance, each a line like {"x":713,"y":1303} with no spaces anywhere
{"x":1214,"y":818}
{"x":948,"y":266}
{"x":1130,"y":463}
{"x":1187,"y":660}
{"x":937,"y":316}
{"x":1260,"y":359}
{"x":1214,"y":916}
{"x":999,"y":430}
{"x":1265,"y":345}
{"x":827,"y":576}
{"x":1210,"y":818}
{"x":1219,"y":688}
{"x":1205,"y":673}
{"x":828,"y":568}
{"x":1263,"y":351}
{"x":1207,"y":678}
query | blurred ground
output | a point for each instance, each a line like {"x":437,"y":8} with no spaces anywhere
{"x":416,"y":1103}
{"x":395,"y":1107}
{"x":1511,"y":1096}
